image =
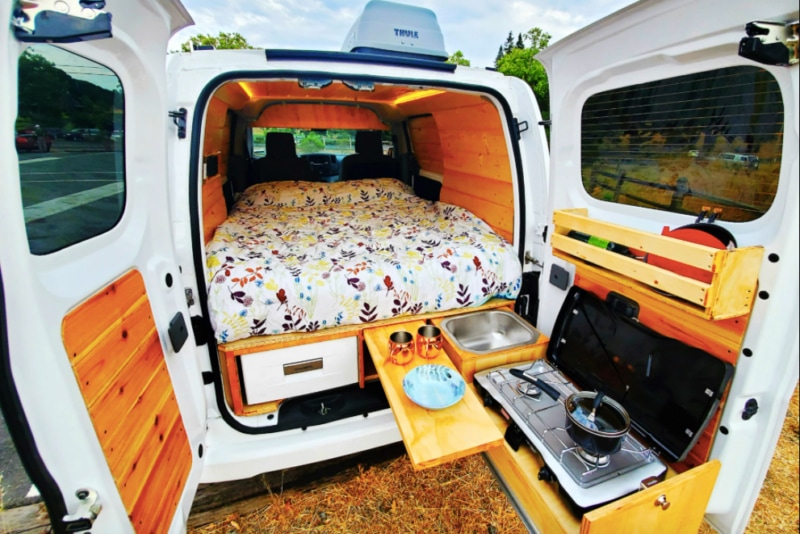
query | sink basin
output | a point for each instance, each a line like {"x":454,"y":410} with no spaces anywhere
{"x":489,"y":331}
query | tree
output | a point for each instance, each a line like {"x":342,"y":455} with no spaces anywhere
{"x":520,"y":62}
{"x":499,"y":56}
{"x":520,"y":42}
{"x":509,"y":44}
{"x":223,"y":41}
{"x":538,"y":39}
{"x":458,"y":59}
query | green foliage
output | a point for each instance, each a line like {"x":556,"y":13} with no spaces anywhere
{"x":520,"y":62}
{"x":509,"y":44}
{"x":223,"y":41}
{"x":312,"y":142}
{"x":458,"y":59}
{"x":51,"y":97}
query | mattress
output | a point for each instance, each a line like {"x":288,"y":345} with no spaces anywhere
{"x":302,"y":256}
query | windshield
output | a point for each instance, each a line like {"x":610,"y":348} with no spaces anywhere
{"x":333,"y":141}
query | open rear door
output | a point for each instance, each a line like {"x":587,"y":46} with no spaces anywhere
{"x":666,"y":113}
{"x":101,"y":388}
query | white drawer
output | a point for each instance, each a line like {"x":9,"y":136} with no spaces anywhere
{"x":292,"y":371}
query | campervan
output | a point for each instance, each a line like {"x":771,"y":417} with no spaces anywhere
{"x":249,"y":280}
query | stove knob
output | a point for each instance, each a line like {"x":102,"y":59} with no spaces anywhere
{"x":547,"y":475}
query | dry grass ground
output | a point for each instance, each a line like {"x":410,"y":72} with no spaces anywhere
{"x":460,"y":497}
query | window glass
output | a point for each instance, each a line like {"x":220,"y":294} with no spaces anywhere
{"x":707,"y":140}
{"x":69,"y":137}
{"x":334,"y":141}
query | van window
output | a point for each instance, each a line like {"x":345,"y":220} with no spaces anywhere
{"x":711,"y":139}
{"x":69,"y":137}
{"x":334,"y":141}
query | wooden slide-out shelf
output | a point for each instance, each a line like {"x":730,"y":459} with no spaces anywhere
{"x":734,"y":273}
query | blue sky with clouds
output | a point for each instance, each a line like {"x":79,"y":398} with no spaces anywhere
{"x":476,"y":27}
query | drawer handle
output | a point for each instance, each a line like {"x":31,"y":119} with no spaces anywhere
{"x":302,"y":367}
{"x":662,"y":502}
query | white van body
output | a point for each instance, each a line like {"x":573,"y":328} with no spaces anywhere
{"x":159,"y":234}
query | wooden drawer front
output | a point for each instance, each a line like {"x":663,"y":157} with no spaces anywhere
{"x":675,"y":505}
{"x":291,"y":371}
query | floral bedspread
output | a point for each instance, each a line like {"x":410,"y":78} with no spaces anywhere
{"x":300,"y":256}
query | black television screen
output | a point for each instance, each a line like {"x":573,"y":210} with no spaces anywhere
{"x":669,"y":389}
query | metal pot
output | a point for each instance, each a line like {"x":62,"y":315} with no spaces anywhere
{"x":602,"y":434}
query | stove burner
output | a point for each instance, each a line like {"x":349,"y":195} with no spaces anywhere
{"x":588,"y":480}
{"x":529,"y":390}
{"x":593,"y":459}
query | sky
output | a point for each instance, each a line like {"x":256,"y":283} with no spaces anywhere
{"x":476,"y":27}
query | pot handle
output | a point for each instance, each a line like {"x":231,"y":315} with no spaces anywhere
{"x":552,"y":392}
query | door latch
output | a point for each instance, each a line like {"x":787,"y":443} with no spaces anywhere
{"x":179,"y":119}
{"x":88,"y":510}
{"x":750,"y":409}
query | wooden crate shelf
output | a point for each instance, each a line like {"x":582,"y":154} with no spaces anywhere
{"x":734,"y":273}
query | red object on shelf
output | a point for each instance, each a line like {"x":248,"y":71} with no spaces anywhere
{"x":706,"y":234}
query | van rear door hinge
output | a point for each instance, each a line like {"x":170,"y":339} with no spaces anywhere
{"x":88,"y":510}
{"x":179,"y":119}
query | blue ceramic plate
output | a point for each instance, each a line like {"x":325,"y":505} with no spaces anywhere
{"x":434,"y":386}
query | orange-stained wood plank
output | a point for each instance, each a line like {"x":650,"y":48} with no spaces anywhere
{"x":497,"y":192}
{"x":233,"y":95}
{"x":214,"y":208}
{"x":147,"y":404}
{"x":687,"y":495}
{"x":499,"y":217}
{"x":319,"y":116}
{"x":216,"y":114}
{"x":114,"y":347}
{"x":154,"y":509}
{"x":135,"y":466}
{"x":426,"y":144}
{"x":98,"y":366}
{"x":86,"y":323}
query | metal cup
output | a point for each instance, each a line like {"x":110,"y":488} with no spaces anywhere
{"x":429,"y":341}
{"x":401,"y":347}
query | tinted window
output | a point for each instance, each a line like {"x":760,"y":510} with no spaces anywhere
{"x":708,"y":139}
{"x":70,"y":141}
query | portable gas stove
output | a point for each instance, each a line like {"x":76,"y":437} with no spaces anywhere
{"x":587,"y":480}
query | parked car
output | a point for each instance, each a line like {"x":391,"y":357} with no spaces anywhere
{"x":27,"y":141}
{"x":744,"y":160}
{"x":74,"y":135}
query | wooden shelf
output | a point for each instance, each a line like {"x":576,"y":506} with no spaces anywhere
{"x":734,"y":273}
{"x":431,"y":437}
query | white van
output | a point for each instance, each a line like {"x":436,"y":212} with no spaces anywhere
{"x":185,"y":306}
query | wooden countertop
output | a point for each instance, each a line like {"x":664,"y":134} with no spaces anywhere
{"x":431,"y":437}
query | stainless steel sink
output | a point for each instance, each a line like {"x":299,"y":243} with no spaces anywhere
{"x":489,"y":331}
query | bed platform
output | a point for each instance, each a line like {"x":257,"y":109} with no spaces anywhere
{"x":305,"y":256}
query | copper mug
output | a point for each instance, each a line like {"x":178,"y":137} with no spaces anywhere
{"x":429,"y":341}
{"x":401,"y":347}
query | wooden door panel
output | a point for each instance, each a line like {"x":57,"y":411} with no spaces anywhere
{"x":118,"y":361}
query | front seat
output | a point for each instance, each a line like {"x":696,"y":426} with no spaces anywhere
{"x":369,"y":160}
{"x":281,"y":161}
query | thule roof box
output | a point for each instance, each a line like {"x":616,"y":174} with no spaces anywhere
{"x":396,"y":29}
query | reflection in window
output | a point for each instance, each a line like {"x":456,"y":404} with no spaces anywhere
{"x":70,"y":143}
{"x":711,"y":139}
